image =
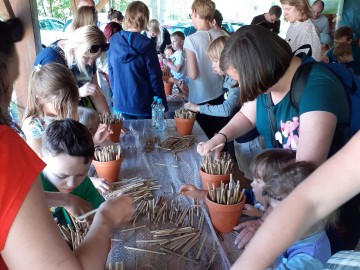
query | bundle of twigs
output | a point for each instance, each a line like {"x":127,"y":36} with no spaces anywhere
{"x":211,"y":165}
{"x":107,"y":153}
{"x":74,"y":235}
{"x":150,"y":144}
{"x":184,"y":114}
{"x":177,"y":143}
{"x":108,"y":119}
{"x":226,"y":194}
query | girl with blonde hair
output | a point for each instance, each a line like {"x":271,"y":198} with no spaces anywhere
{"x":79,"y":53}
{"x":159,"y":35}
{"x":85,"y":15}
{"x":50,"y":97}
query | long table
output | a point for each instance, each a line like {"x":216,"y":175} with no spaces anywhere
{"x":137,"y":163}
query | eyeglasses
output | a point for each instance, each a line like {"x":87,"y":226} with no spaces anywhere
{"x":97,"y":48}
{"x":265,"y":193}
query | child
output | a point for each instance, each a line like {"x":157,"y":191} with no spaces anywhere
{"x":169,"y":52}
{"x":204,"y":86}
{"x":247,"y":146}
{"x":313,"y":250}
{"x":133,"y":56}
{"x":343,"y":54}
{"x":176,"y":62}
{"x":68,"y":150}
{"x":53,"y":94}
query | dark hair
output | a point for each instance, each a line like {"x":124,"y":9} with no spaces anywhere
{"x":319,"y":2}
{"x":344,"y":31}
{"x":70,"y":137}
{"x":169,"y":47}
{"x":115,"y":14}
{"x":260,"y":57}
{"x":178,"y":34}
{"x":218,"y":17}
{"x":11,"y":31}
{"x":275,"y":10}
{"x":342,"y":49}
{"x":269,"y":162}
{"x":111,"y":28}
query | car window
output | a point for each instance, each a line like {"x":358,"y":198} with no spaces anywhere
{"x":58,"y":25}
{"x":45,"y":25}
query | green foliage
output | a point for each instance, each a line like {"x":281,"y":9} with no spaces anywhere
{"x":59,"y":9}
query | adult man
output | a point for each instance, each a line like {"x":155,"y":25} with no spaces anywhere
{"x":269,"y":20}
{"x":321,"y":22}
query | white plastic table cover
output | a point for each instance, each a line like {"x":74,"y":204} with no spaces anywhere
{"x":137,"y":163}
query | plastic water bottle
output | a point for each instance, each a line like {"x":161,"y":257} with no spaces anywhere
{"x":160,"y":123}
{"x":153,"y":112}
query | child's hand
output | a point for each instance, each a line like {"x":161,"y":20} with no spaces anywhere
{"x":184,"y":89}
{"x":191,"y":191}
{"x":325,"y":59}
{"x":101,"y":134}
{"x":77,"y":206}
{"x":251,"y":211}
{"x":247,"y":230}
{"x":101,"y":184}
{"x":192,"y":107}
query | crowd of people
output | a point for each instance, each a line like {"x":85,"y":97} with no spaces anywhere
{"x":117,"y":68}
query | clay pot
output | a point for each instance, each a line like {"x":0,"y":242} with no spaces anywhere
{"x":168,"y":88}
{"x":213,"y":179}
{"x":224,"y":217}
{"x":184,"y":126}
{"x":109,"y":170}
{"x":116,"y":129}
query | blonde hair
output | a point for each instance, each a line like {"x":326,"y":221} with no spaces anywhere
{"x":154,"y":26}
{"x":302,"y":6}
{"x":136,"y":16}
{"x":215,"y":48}
{"x":85,"y":15}
{"x":204,"y":8}
{"x":79,"y":43}
{"x":88,"y":117}
{"x":53,"y":83}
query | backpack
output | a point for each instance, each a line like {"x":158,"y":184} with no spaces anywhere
{"x":350,"y":82}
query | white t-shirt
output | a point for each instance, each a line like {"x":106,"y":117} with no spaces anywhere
{"x":179,"y":59}
{"x":208,"y":85}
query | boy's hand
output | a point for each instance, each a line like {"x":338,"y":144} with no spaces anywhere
{"x":101,"y":134}
{"x":77,"y":206}
{"x":191,"y":191}
{"x":247,"y":230}
{"x":251,"y":211}
{"x":101,"y":184}
{"x":115,"y":211}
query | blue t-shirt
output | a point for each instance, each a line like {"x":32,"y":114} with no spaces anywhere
{"x":323,"y":92}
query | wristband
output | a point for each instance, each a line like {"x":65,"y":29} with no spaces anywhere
{"x":226,"y":140}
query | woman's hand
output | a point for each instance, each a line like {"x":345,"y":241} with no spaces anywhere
{"x":89,"y":89}
{"x":192,"y":106}
{"x":247,"y":230}
{"x":191,"y":191}
{"x":101,"y":184}
{"x":251,"y":211}
{"x":203,"y":148}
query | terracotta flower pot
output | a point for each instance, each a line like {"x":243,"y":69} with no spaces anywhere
{"x":184,"y":126}
{"x":116,"y":129}
{"x":213,"y":179}
{"x":168,"y":88}
{"x":109,"y":170}
{"x":224,"y":217}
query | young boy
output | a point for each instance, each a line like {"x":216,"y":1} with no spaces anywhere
{"x":204,"y":85}
{"x":344,"y":35}
{"x":68,"y":150}
{"x":343,"y":54}
{"x":176,"y":62}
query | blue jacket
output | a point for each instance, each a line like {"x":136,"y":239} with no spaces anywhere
{"x":135,"y":74}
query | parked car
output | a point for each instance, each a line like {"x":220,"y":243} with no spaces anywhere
{"x":50,"y":30}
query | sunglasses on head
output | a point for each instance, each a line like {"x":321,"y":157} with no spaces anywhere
{"x":13,"y":28}
{"x":97,"y":48}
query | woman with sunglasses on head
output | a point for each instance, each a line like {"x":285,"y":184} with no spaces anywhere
{"x":134,"y":70}
{"x":79,"y":53}
{"x":29,"y":238}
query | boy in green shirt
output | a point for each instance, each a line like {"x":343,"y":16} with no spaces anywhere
{"x":68,"y":150}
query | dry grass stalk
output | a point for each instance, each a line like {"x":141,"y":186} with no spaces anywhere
{"x":218,"y":167}
{"x":108,"y":119}
{"x":150,"y":144}
{"x":226,"y":194}
{"x":184,"y":113}
{"x":107,"y":153}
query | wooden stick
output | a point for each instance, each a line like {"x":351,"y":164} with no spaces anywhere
{"x":201,"y":247}
{"x":178,"y":255}
{"x":216,"y":147}
{"x":132,"y":229}
{"x":87,"y":214}
{"x":145,"y":250}
{"x":168,"y":165}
